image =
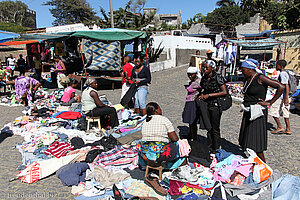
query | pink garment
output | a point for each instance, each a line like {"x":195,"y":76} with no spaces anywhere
{"x":67,"y":94}
{"x":217,"y":177}
{"x":29,"y":126}
{"x":125,"y":129}
{"x":184,"y":147}
{"x":58,"y":66}
{"x":244,"y":169}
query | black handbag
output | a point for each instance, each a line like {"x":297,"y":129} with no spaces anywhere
{"x":125,"y":101}
{"x":225,"y":102}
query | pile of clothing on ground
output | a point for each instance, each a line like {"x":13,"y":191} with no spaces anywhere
{"x":10,"y":100}
{"x":103,"y":164}
{"x":235,"y":90}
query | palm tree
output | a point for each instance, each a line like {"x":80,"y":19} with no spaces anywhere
{"x":223,"y":3}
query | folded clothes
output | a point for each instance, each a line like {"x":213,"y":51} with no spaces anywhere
{"x":69,"y":115}
{"x":72,"y":174}
{"x":107,"y":178}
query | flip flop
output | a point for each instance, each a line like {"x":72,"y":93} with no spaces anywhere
{"x":288,"y":132}
{"x":281,"y":131}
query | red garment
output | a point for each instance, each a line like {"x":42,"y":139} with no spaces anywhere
{"x":69,"y":115}
{"x":59,"y":149}
{"x":127,"y":68}
{"x":175,"y":187}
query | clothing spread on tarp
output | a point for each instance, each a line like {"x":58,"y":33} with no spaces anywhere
{"x":95,"y":161}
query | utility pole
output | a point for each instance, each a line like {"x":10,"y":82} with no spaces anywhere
{"x":111,"y":14}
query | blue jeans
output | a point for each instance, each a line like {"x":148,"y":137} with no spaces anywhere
{"x":140,"y":97}
{"x":287,"y":187}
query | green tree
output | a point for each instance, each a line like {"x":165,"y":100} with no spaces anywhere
{"x":136,"y":6}
{"x":282,"y":14}
{"x":72,"y":11}
{"x":254,"y":6}
{"x":226,"y":18}
{"x":123,"y":18}
{"x":12,"y":27}
{"x":198,"y":18}
{"x":16,"y":13}
{"x":223,"y":3}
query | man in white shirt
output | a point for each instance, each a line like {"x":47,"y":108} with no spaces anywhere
{"x":282,"y":104}
{"x":11,"y":62}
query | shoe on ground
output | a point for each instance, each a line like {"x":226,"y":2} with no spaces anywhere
{"x":154,"y":183}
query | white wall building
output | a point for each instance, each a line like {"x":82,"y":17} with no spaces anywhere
{"x":178,"y":50}
{"x":71,"y":27}
{"x":182,"y":42}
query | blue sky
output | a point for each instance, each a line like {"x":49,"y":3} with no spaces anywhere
{"x":188,"y":8}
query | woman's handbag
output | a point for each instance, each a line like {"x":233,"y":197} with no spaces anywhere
{"x":225,"y":102}
{"x":127,"y":98}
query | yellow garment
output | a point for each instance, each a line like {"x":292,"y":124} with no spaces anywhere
{"x":118,"y":107}
{"x":143,"y":190}
{"x":186,"y":189}
{"x":37,"y":64}
{"x":60,"y":49}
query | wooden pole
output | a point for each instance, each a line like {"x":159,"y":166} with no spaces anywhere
{"x":81,"y":83}
{"x":284,"y":49}
{"x":146,"y":53}
{"x":111,"y":14}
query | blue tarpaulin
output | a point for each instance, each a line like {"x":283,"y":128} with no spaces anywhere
{"x":6,"y":36}
{"x":265,"y":33}
{"x":256,"y":44}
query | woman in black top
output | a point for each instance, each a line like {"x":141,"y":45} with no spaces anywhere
{"x":141,"y":76}
{"x":253,"y":132}
{"x":213,"y":86}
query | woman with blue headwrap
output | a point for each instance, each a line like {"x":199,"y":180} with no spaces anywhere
{"x":213,"y":85}
{"x":253,"y":132}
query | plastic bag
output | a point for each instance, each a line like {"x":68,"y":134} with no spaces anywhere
{"x":261,"y":171}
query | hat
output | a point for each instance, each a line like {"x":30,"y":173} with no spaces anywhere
{"x":194,"y":70}
{"x":250,"y":63}
{"x":89,"y":81}
{"x":209,"y":51}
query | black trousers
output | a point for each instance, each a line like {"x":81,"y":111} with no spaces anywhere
{"x":101,"y":111}
{"x":213,"y":134}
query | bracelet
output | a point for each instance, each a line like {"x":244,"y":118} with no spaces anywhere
{"x":208,"y":95}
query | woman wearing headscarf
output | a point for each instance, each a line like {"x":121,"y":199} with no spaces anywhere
{"x":253,"y":132}
{"x":26,"y":87}
{"x":190,"y":113}
{"x":92,"y":105}
{"x":213,"y":86}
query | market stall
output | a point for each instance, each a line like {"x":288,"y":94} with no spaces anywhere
{"x":100,"y":52}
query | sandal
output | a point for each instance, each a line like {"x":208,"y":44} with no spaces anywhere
{"x":288,"y":132}
{"x":280,"y":131}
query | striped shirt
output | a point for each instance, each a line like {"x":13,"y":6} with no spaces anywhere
{"x":59,"y":149}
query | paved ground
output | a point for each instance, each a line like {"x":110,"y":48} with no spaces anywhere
{"x":167,"y":89}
